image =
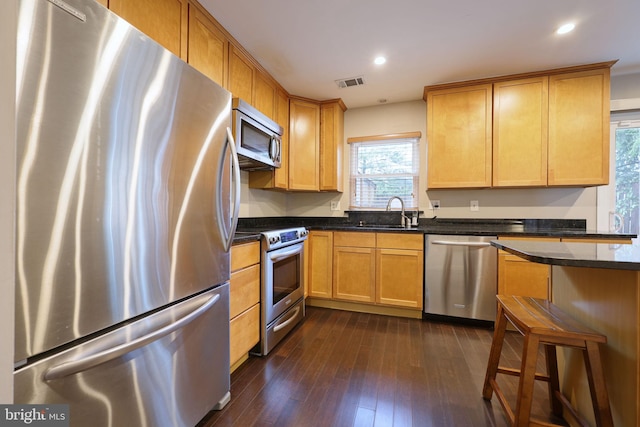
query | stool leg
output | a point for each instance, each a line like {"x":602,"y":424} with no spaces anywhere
{"x":554,"y":383}
{"x":527,"y":377}
{"x":494,"y":354}
{"x":597,"y":386}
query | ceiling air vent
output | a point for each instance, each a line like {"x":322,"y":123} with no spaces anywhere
{"x":353,"y":81}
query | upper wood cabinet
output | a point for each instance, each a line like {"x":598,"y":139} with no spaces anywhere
{"x":549,"y":128}
{"x":105,"y":3}
{"x":208,"y":46}
{"x":331,"y":145}
{"x":264,"y":94}
{"x":520,"y":117}
{"x":241,"y":72}
{"x":459,"y":137}
{"x":165,"y":21}
{"x":579,"y":128}
{"x":304,"y":145}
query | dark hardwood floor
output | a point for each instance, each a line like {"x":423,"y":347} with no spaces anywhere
{"x":340,"y":368}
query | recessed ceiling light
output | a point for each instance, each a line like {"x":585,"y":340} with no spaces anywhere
{"x":566,"y":28}
{"x":380,"y":60}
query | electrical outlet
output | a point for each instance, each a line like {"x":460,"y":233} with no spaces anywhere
{"x":474,"y":206}
{"x":335,"y":206}
{"x":435,"y":204}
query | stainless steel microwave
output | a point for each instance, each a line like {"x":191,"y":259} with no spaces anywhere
{"x":258,"y":138}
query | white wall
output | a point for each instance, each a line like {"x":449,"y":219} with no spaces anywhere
{"x":7,"y":195}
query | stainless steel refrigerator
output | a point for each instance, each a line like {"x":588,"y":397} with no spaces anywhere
{"x":127,"y":197}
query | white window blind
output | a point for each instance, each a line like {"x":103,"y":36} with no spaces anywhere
{"x":382,"y":168}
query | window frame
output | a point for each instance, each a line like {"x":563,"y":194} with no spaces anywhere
{"x":414,"y":138}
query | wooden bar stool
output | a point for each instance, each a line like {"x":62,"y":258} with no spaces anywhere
{"x":541,"y":322}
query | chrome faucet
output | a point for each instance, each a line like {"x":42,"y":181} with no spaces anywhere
{"x":404,"y":220}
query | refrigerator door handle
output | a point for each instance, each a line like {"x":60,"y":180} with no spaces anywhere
{"x":123,"y":346}
{"x":227,"y":235}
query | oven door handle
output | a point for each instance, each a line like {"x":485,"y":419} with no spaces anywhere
{"x":289,"y":320}
{"x":279,"y":256}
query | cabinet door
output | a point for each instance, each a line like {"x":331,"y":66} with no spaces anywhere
{"x":304,"y":145}
{"x":354,"y":274}
{"x":208,"y":47}
{"x":320,"y":264}
{"x":264,"y":94}
{"x":517,"y":276}
{"x":331,"y":145}
{"x":520,"y":114}
{"x":579,"y":128}
{"x":399,"y":277}
{"x":241,"y":72}
{"x":459,"y":137}
{"x":165,"y":21}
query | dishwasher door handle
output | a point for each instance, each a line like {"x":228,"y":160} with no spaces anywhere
{"x":457,"y":243}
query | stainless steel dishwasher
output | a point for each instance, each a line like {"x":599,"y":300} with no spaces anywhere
{"x":460,"y":276}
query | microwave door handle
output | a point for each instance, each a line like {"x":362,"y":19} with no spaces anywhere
{"x":227,"y":235}
{"x":274,"y":149}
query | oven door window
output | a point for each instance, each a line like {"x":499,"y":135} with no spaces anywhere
{"x":286,"y":277}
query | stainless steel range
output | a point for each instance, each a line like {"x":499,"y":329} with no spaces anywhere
{"x":282,"y":290}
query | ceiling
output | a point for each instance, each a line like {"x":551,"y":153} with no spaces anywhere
{"x":307,"y":45}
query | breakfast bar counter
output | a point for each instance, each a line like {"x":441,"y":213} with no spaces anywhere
{"x":597,"y":284}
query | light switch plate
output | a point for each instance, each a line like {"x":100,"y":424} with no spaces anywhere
{"x":474,"y":205}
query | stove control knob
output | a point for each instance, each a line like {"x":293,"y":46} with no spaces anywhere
{"x":273,"y":239}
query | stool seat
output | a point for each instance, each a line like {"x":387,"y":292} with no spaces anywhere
{"x":541,"y":322}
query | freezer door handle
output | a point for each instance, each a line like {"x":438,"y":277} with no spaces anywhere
{"x":227,"y":235}
{"x":118,"y":345}
{"x":455,"y":243}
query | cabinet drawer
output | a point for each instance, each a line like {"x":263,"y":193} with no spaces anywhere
{"x":356,"y":239}
{"x":400,"y":241}
{"x":244,"y":290}
{"x":245,"y":255}
{"x":244,"y":333}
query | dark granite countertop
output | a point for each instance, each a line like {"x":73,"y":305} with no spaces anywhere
{"x":249,"y":228}
{"x":591,"y":255}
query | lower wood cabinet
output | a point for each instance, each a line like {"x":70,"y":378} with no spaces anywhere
{"x":400,"y":270}
{"x":320,"y":264}
{"x":244,"y":305}
{"x":354,"y":261}
{"x":366,"y":269}
{"x":517,"y":276}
